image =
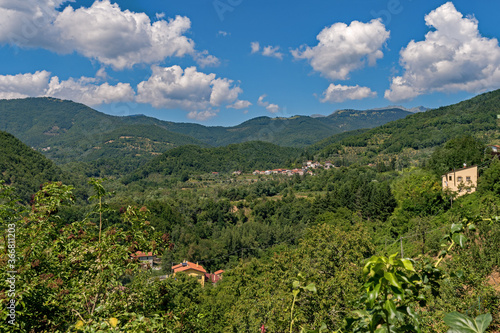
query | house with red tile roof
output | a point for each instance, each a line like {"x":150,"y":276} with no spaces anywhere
{"x":214,"y":277}
{"x":191,"y":269}
{"x":146,"y":259}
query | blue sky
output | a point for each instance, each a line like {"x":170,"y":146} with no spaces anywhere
{"x":221,"y":62}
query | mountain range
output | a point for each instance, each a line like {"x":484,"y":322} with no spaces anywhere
{"x":139,"y":146}
{"x":67,"y":131}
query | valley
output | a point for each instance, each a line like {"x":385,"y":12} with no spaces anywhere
{"x":87,"y":191}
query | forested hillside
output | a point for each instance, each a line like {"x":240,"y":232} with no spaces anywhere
{"x":66,"y":131}
{"x":73,"y":130}
{"x":194,"y":160}
{"x":24,"y":168}
{"x":296,"y":131}
{"x":292,"y":251}
{"x":476,"y":117}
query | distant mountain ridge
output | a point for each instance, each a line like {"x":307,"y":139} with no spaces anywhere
{"x":65,"y":131}
{"x":295,"y":131}
{"x":412,"y":110}
{"x":423,"y":130}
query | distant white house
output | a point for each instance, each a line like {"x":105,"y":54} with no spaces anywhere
{"x":461,"y":181}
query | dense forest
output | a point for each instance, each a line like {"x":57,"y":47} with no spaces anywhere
{"x":371,"y":245}
{"x":195,"y":160}
{"x":25,"y":169}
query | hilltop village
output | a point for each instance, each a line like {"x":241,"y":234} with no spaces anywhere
{"x":307,"y":169}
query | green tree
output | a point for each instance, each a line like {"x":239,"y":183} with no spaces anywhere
{"x":260,"y":291}
{"x":70,"y":272}
{"x":490,"y":179}
{"x":418,"y":193}
{"x":455,"y":153}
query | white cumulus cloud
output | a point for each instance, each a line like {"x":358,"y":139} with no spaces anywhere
{"x":188,"y":89}
{"x":452,"y":57}
{"x":84,"y":90}
{"x":343,"y":48}
{"x":115,"y":37}
{"x":273,"y":108}
{"x":202,"y":115}
{"x":268,"y":51}
{"x":24,"y":85}
{"x":255,"y":46}
{"x":239,"y":104}
{"x":340,"y":93}
{"x":204,"y":59}
{"x":272,"y":51}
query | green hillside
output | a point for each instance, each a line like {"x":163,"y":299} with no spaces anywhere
{"x":336,"y":138}
{"x":348,"y":120}
{"x":25,"y":168}
{"x":297,"y":131}
{"x":476,"y":117}
{"x":194,"y":160}
{"x":66,"y":131}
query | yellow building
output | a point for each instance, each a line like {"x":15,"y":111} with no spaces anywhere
{"x":191,"y":269}
{"x":462,"y":181}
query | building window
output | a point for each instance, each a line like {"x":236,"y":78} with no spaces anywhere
{"x":451,"y":178}
{"x":468,"y":190}
{"x":459,"y":179}
{"x":467,"y":178}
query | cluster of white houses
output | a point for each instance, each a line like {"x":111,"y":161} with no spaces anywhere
{"x":307,"y":169}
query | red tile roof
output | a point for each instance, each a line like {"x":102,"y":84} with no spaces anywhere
{"x":220,"y":271}
{"x":188,"y":265}
{"x":140,"y":254}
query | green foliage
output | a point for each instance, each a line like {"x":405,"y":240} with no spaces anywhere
{"x":418,"y":194}
{"x":258,"y":292}
{"x":25,"y":168}
{"x":195,"y":160}
{"x":263,"y":246}
{"x":460,"y":323}
{"x":455,"y":153}
{"x":63,"y":271}
{"x":392,"y":287}
{"x":297,"y":289}
{"x":475,"y":117}
{"x":490,"y":179}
